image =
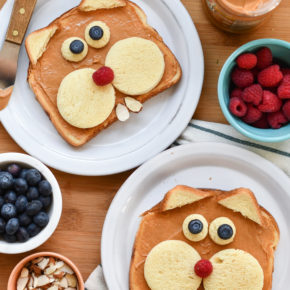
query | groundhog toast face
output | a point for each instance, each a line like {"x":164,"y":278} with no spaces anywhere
{"x":98,"y":61}
{"x":205,"y":240}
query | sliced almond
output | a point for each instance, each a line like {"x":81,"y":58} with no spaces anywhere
{"x":51,"y":269}
{"x":43,"y":264}
{"x":133,"y":105}
{"x":42,"y":280}
{"x":35,"y":269}
{"x":122,"y":113}
{"x":22,"y":282}
{"x":58,"y":274}
{"x":72,"y":280}
{"x":69,"y":288}
{"x":63,"y":283}
{"x":24,"y":273}
{"x":54,"y":287}
{"x":37,"y":260}
{"x":67,"y":269}
{"x":59,"y":264}
{"x":51,"y":261}
{"x":30,"y":283}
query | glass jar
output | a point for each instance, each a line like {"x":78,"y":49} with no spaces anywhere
{"x":239,"y":15}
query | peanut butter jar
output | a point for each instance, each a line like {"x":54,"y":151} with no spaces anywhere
{"x":239,"y":16}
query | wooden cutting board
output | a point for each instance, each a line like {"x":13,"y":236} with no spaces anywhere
{"x":87,"y":199}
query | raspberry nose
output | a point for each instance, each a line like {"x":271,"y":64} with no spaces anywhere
{"x":103,"y":76}
{"x":203,"y":268}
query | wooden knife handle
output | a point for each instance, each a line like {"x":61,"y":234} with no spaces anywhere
{"x":19,"y":20}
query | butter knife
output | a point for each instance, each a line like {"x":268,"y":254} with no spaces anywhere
{"x":20,"y":18}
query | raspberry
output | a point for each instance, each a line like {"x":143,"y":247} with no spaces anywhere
{"x":203,"y":268}
{"x":253,"y":94}
{"x":284,"y":89}
{"x":265,"y":58}
{"x":247,"y":61}
{"x":285,"y":71}
{"x":238,"y":107}
{"x":270,"y":76}
{"x":253,"y":115}
{"x":286,"y":110}
{"x":103,"y":76}
{"x":242,"y":78}
{"x":236,"y":93}
{"x":262,"y":123}
{"x":276,"y":120}
{"x":271,"y":103}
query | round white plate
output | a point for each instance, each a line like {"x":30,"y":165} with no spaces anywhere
{"x":201,"y":165}
{"x":124,"y":145}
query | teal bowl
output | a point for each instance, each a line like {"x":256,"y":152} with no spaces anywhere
{"x":280,"y":50}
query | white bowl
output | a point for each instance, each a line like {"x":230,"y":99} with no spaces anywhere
{"x":55,"y":208}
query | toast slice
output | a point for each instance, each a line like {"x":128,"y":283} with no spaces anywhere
{"x":48,"y":68}
{"x":163,"y":223}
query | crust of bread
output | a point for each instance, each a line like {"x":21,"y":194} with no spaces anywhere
{"x":90,"y":5}
{"x":256,"y":215}
{"x":268,"y":222}
{"x":37,"y":41}
{"x":78,"y":137}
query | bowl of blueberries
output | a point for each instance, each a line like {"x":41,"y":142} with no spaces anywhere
{"x":30,"y":203}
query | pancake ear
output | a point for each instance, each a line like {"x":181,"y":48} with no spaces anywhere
{"x":89,"y":5}
{"x":242,"y":200}
{"x":37,"y":41}
{"x":182,"y":195}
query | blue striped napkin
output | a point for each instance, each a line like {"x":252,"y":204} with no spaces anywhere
{"x":201,"y":131}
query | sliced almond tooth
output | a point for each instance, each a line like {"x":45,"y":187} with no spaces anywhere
{"x":42,"y":281}
{"x":58,"y":274}
{"x":43,"y":264}
{"x":22,"y":282}
{"x":63,"y":283}
{"x":24,"y":273}
{"x":59,"y":264}
{"x":133,"y":105}
{"x":51,"y":269}
{"x":37,"y":260}
{"x":122,"y":113}
{"x":67,"y":269}
{"x":72,"y":280}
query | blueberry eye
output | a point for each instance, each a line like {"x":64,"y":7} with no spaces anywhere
{"x":195,"y":226}
{"x":96,"y":32}
{"x":225,"y":232}
{"x":76,"y":46}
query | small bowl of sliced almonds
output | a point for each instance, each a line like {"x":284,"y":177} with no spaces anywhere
{"x":45,"y":270}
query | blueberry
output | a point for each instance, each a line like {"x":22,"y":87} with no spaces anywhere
{"x":23,"y":173}
{"x":33,"y":176}
{"x":2,"y":226}
{"x":32,"y":193}
{"x":76,"y":46}
{"x":41,"y":219}
{"x":44,"y":188}
{"x":96,"y":32}
{"x":10,"y":197}
{"x":14,"y":169}
{"x":225,"y":232}
{"x":195,"y":226}
{"x":9,"y":238}
{"x":45,"y":200}
{"x":12,"y":226}
{"x":22,"y":235}
{"x":1,"y":201}
{"x":24,"y":219}
{"x":6,"y":180}
{"x":33,"y":230}
{"x":8,"y":211}
{"x":33,"y":207}
{"x":21,"y":203}
{"x":20,"y":185}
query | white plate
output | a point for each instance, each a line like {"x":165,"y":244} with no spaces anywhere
{"x":122,"y":146}
{"x":203,"y":165}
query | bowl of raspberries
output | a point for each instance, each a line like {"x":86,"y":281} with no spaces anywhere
{"x":254,"y":90}
{"x":30,"y":203}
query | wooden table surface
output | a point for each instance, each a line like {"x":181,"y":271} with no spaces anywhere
{"x":87,"y":199}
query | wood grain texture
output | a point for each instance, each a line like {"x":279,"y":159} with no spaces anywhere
{"x":86,"y":199}
{"x":20,"y":19}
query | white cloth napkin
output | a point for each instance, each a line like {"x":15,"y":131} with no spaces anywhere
{"x":201,"y":131}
